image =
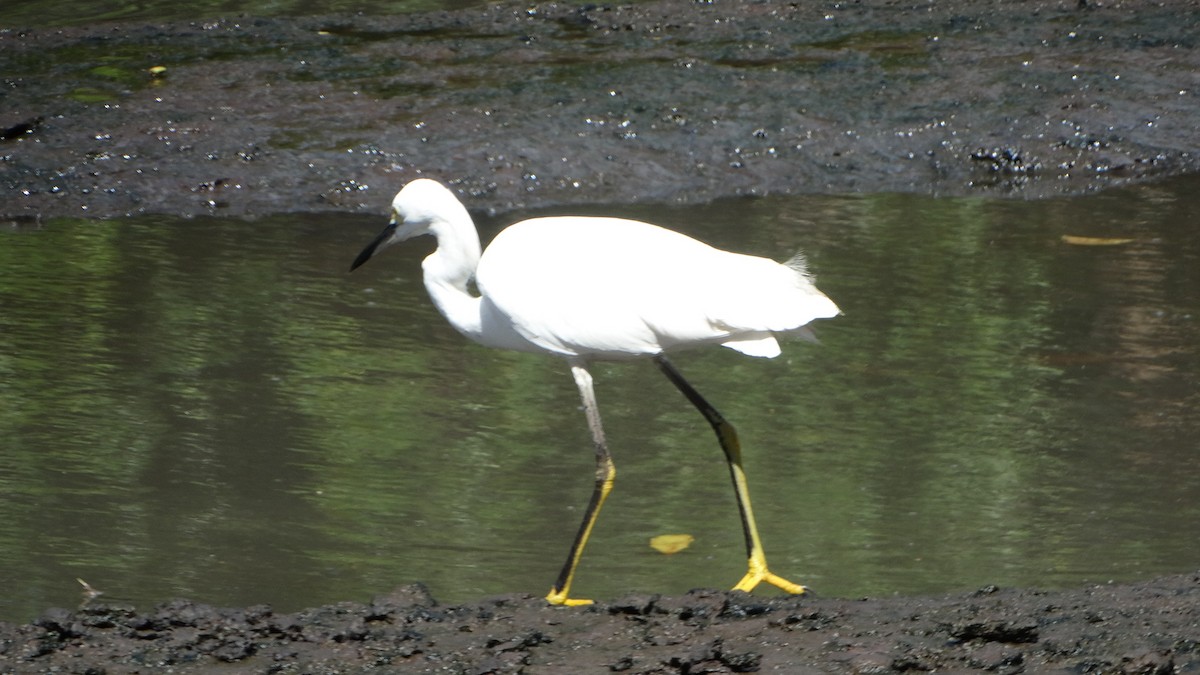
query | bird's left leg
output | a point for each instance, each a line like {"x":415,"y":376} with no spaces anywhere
{"x":727,"y":436}
{"x":605,"y":473}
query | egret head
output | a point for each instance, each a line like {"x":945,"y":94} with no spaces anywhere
{"x":418,"y":208}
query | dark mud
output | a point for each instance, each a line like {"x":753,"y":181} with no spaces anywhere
{"x":1151,"y":627}
{"x":543,"y":104}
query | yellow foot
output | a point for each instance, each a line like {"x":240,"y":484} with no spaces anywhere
{"x":557,"y":597}
{"x":755,"y":577}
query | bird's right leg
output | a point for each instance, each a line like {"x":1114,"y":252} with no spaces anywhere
{"x":727,"y":437}
{"x":605,"y":472}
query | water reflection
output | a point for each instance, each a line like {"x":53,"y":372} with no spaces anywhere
{"x":215,"y":409}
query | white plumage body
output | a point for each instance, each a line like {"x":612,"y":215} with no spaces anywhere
{"x":614,"y":288}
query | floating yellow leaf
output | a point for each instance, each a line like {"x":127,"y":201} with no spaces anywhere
{"x":88,"y":592}
{"x":1093,"y":241}
{"x":671,"y":543}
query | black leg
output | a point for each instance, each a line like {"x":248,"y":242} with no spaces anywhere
{"x":728,"y":439}
{"x":605,"y":473}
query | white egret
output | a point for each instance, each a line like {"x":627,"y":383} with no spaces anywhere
{"x":591,"y":288}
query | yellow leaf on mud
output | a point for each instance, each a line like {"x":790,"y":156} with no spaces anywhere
{"x":1093,"y":241}
{"x":671,"y":543}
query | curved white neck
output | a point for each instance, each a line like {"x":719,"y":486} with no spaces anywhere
{"x":448,"y":270}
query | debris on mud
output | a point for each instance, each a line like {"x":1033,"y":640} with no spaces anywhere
{"x":549,"y":104}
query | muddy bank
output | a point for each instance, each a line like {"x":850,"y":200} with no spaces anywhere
{"x":1140,"y":628}
{"x":532,"y":104}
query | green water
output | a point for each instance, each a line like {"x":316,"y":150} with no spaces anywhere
{"x":215,"y":409}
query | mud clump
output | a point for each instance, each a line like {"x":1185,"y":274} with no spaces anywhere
{"x":535,"y":105}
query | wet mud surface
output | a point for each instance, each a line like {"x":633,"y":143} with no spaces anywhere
{"x":1151,"y":627}
{"x":535,"y":105}
{"x":554,"y":105}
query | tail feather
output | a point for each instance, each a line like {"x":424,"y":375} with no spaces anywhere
{"x":799,"y":264}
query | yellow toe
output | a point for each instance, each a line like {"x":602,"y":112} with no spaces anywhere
{"x":756,"y":576}
{"x":557,"y":597}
